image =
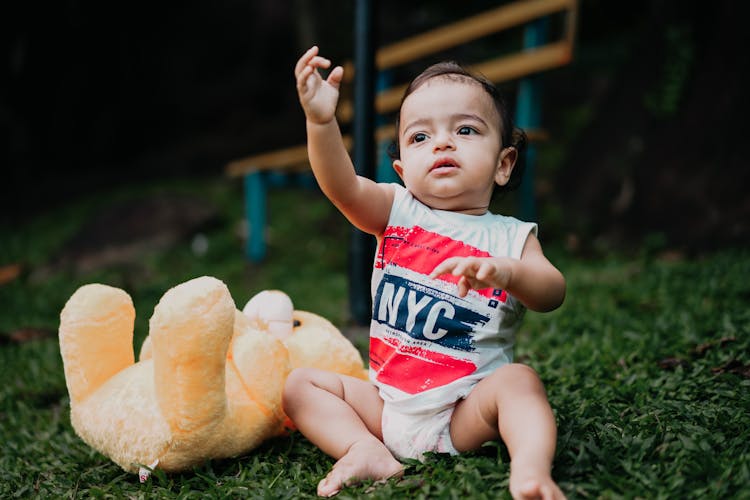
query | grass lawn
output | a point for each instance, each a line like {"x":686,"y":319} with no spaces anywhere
{"x":646,"y":365}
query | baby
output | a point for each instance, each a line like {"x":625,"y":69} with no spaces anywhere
{"x":450,"y":284}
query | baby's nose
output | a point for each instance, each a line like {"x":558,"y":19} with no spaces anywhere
{"x":444,"y":140}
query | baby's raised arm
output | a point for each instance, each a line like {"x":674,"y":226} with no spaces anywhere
{"x":364,"y":202}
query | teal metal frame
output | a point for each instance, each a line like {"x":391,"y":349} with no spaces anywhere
{"x":254,"y":185}
{"x":529,"y":117}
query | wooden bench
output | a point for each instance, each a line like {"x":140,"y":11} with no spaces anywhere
{"x":536,"y":56}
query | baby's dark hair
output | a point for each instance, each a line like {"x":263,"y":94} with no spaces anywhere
{"x":510,"y":134}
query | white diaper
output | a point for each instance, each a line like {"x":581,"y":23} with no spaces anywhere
{"x":409,"y":436}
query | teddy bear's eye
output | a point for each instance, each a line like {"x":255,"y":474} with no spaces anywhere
{"x":296,"y":323}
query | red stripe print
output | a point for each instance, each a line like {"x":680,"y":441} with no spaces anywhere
{"x":421,"y":251}
{"x":412,"y":369}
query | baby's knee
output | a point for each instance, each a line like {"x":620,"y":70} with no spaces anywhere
{"x":298,"y":383}
{"x":521,"y":377}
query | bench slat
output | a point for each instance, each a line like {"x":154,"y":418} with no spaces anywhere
{"x":504,"y":68}
{"x":472,"y":28}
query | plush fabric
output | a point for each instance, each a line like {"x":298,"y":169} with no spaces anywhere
{"x":209,"y":378}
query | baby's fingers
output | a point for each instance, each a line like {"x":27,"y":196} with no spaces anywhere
{"x":463,"y":287}
{"x":303,"y":76}
{"x":464,"y":267}
{"x":445,"y":267}
{"x":484,"y":271}
{"x":310,"y":59}
{"x":335,"y":77}
{"x":304,"y":60}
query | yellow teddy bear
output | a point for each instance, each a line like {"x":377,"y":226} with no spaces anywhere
{"x":209,"y":380}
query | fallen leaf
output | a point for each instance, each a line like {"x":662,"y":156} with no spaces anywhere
{"x":28,"y":334}
{"x":9,"y":272}
{"x":672,"y":363}
{"x":734,"y":366}
{"x":701,"y":349}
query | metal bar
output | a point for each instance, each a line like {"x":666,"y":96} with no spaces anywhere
{"x":255,"y":215}
{"x":528,"y":115}
{"x":384,"y":165}
{"x":362,"y":245}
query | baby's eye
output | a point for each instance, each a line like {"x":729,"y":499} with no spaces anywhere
{"x":419,"y":137}
{"x":466,"y":130}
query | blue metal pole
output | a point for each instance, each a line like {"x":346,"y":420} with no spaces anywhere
{"x":528,"y":116}
{"x":385,"y":172}
{"x":255,"y":214}
{"x":362,"y":245}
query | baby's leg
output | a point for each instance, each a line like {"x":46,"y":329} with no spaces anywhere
{"x":341,"y":415}
{"x":512,"y":403}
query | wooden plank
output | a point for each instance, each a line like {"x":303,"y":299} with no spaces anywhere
{"x":292,"y":159}
{"x":501,"y":69}
{"x":466,"y":30}
{"x":469,"y":29}
{"x":268,"y":161}
{"x":546,"y":57}
{"x":472,"y":28}
{"x":571,"y":25}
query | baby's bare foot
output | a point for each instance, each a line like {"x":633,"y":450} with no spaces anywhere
{"x":364,"y":460}
{"x":533,"y":484}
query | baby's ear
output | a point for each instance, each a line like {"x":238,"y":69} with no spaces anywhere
{"x":399,"y":168}
{"x":505,"y":164}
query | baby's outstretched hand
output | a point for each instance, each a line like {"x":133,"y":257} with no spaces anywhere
{"x":317,"y":96}
{"x":476,"y":272}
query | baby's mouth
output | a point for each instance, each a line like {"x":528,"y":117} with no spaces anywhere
{"x":443,"y":164}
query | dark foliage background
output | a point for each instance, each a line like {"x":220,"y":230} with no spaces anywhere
{"x":647,"y":125}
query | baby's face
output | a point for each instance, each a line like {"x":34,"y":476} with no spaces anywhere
{"x":450,"y":145}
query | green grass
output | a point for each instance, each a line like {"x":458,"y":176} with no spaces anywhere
{"x":637,"y":363}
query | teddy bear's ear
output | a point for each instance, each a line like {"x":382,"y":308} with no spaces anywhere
{"x":271,"y":311}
